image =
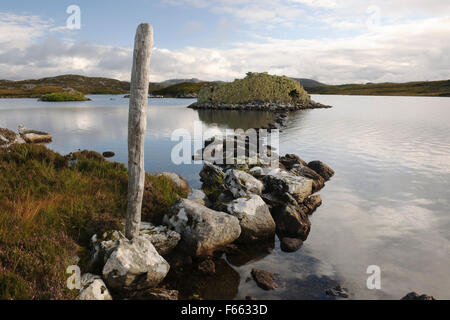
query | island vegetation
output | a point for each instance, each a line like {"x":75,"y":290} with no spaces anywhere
{"x":255,"y":87}
{"x":64,"y":96}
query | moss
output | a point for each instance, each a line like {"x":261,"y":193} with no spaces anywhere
{"x":260,"y":87}
{"x":49,"y":209}
{"x":63,"y":96}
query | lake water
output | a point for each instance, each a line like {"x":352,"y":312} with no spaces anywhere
{"x":387,"y":205}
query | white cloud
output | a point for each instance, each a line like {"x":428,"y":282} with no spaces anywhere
{"x":410,"y":50}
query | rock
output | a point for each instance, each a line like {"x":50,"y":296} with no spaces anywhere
{"x":322,"y":169}
{"x":197,"y":196}
{"x":34,"y":136}
{"x":254,"y":218}
{"x":318,"y":180}
{"x":290,"y":160}
{"x":202,"y":230}
{"x":241,"y":184}
{"x":163,"y":239}
{"x":177,"y":258}
{"x":290,"y":244}
{"x":134,"y":265}
{"x":93,"y":288}
{"x":292,"y":221}
{"x":337,"y":292}
{"x":108,"y":154}
{"x":250,"y":298}
{"x":8,"y":138}
{"x":159,"y":294}
{"x":178,"y":180}
{"x":207,"y":267}
{"x":211,"y":175}
{"x":101,"y":249}
{"x":264,"y":279}
{"x":256,"y":172}
{"x":282,"y":182}
{"x":415,"y":296}
{"x":312,"y":203}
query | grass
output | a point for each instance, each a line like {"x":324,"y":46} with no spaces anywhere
{"x":427,"y":88}
{"x":50,"y":206}
{"x":63,"y":96}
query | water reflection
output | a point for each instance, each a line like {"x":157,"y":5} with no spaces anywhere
{"x":236,"y":119}
{"x":191,"y":283}
{"x":387,"y":205}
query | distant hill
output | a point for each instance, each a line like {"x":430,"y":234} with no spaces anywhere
{"x":171,"y":82}
{"x":309,"y":82}
{"x":35,"y":88}
{"x":419,"y":88}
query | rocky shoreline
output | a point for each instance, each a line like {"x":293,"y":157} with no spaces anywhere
{"x":239,"y":208}
{"x":259,"y":106}
{"x":24,"y":135}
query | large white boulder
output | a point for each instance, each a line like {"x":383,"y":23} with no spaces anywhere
{"x":254,"y":218}
{"x":134,"y":265}
{"x":202,"y":230}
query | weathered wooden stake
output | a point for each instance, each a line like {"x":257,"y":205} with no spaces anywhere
{"x":137,"y":125}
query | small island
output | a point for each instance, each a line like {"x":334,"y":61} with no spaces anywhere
{"x":257,"y":91}
{"x":64,"y":96}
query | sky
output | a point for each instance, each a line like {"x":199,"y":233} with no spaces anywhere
{"x":332,"y":41}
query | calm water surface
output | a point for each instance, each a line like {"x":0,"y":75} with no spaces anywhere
{"x":388,"y":204}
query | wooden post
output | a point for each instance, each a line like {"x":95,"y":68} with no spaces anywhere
{"x":137,"y":125}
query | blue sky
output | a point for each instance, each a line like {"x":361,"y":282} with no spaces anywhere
{"x":328,"y":40}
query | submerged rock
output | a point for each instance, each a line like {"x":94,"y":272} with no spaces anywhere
{"x":290,"y":244}
{"x":93,"y":288}
{"x":254,"y":218}
{"x":134,"y":265}
{"x":207,"y":267}
{"x":202,"y":230}
{"x":264,"y":279}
